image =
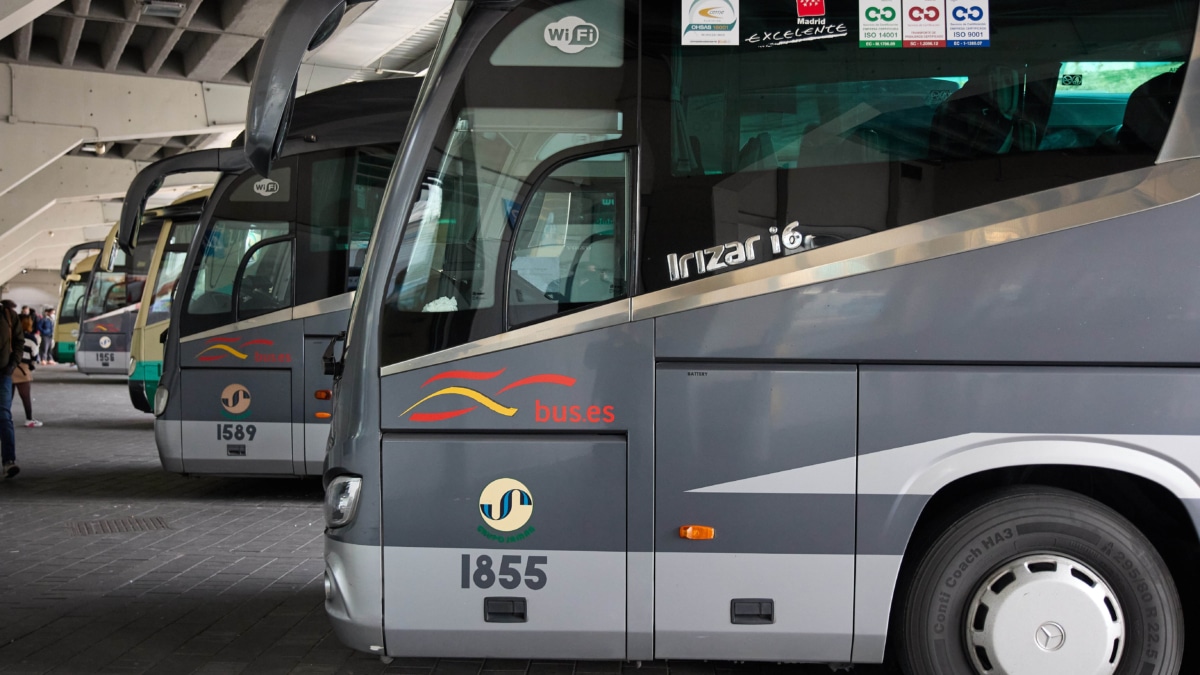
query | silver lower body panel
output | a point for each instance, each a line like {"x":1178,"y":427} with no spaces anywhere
{"x":102,"y":363}
{"x":168,"y":436}
{"x":354,"y":595}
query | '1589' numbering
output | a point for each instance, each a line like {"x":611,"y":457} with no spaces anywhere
{"x":236,"y":432}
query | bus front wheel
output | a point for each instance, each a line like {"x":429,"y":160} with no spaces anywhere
{"x":1039,"y":580}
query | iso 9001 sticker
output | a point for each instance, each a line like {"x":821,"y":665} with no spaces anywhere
{"x":967,"y":23}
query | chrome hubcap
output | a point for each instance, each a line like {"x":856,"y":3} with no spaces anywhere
{"x":1043,"y":614}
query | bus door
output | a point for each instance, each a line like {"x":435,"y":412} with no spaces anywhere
{"x":755,"y":457}
{"x":337,"y":215}
{"x":516,"y":395}
{"x":518,"y":462}
{"x":764,"y":456}
{"x":239,"y":351}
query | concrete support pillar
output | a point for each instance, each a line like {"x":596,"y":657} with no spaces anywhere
{"x":84,"y":206}
{"x":29,"y":148}
{"x":31,"y":246}
{"x":47,"y":112}
{"x":17,"y":13}
{"x":67,"y":179}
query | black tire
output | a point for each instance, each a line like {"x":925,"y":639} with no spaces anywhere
{"x":1011,"y":525}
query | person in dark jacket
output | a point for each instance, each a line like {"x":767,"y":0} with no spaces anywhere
{"x":12,"y":340}
{"x":45,"y":328}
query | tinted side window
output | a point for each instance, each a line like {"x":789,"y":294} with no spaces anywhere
{"x":799,"y":133}
{"x":225,"y":250}
{"x":570,"y":248}
{"x":345,"y":193}
{"x":169,"y":268}
{"x":264,"y":282}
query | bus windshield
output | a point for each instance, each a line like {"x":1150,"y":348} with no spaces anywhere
{"x":315,"y":214}
{"x":228,"y":241}
{"x":70,"y":302}
{"x":169,"y":270}
{"x":111,"y":291}
{"x":496,"y":176}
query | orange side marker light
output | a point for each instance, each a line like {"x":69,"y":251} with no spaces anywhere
{"x":323,"y":394}
{"x":697,"y":532}
{"x":324,"y":415}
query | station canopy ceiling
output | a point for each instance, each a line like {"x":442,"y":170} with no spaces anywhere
{"x":209,"y":41}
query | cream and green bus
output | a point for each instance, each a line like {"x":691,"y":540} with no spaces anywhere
{"x":145,"y":345}
{"x":75,"y":277}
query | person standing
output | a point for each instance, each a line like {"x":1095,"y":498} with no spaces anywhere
{"x":45,"y":328}
{"x":22,"y":377}
{"x":11,"y":342}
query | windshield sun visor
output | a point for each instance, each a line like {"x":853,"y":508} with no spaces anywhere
{"x":150,"y":179}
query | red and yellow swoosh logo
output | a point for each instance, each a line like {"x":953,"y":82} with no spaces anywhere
{"x":477,"y":397}
{"x":458,"y":391}
{"x":224,"y":346}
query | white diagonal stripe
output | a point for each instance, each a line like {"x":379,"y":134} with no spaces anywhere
{"x":828,"y":478}
{"x":1172,"y":461}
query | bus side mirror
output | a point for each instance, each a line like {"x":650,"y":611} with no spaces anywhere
{"x":162,"y":337}
{"x":333,"y":365}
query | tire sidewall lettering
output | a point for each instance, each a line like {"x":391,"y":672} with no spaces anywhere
{"x":958,"y":563}
{"x":962,"y":580}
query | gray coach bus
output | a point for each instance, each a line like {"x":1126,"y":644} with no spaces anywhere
{"x":805,"y":332}
{"x":109,"y":306}
{"x":268,"y":281}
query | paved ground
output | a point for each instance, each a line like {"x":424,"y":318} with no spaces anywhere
{"x":225,"y":579}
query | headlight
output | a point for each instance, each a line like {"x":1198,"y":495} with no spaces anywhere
{"x":132,"y":365}
{"x":74,"y":332}
{"x":160,"y":401}
{"x":341,"y":500}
